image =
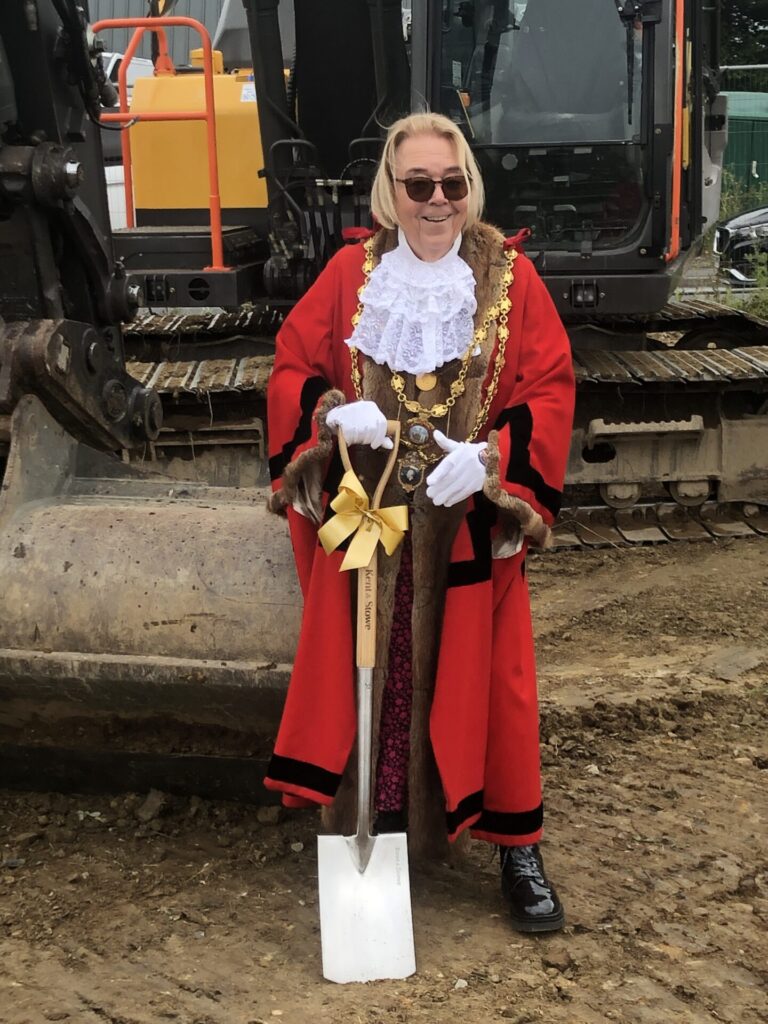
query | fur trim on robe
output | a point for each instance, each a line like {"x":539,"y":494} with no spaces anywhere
{"x":302,"y":478}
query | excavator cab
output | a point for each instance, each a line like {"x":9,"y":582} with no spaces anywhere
{"x":563,"y":155}
{"x":580,"y":116}
{"x":596,"y":126}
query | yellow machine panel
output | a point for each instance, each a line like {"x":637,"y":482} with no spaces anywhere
{"x":170,"y":158}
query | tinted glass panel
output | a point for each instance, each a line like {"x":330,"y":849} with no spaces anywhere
{"x":570,"y":198}
{"x":550,"y":95}
{"x":542,"y":71}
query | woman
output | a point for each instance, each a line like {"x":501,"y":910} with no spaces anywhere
{"x":437,"y":321}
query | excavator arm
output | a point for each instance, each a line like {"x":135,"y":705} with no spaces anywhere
{"x":64,"y":296}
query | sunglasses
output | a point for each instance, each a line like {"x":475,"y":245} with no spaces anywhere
{"x":421,"y":190}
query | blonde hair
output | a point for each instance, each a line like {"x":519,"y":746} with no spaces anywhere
{"x":383,"y":205}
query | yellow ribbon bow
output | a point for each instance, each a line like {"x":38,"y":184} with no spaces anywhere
{"x":354,"y":515}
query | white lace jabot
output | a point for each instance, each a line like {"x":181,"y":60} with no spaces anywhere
{"x":416,"y":315}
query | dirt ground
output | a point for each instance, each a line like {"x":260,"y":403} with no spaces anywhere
{"x":137,"y":910}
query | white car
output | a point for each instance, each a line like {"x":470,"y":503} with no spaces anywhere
{"x":140,"y":67}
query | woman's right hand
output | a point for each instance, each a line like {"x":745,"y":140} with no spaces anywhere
{"x":360,"y":423}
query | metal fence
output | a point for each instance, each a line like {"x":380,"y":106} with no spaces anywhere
{"x":744,"y":77}
{"x":181,"y":40}
{"x":745,"y":177}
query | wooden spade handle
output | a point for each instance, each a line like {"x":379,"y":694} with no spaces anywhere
{"x":393,"y":431}
{"x":367,"y":578}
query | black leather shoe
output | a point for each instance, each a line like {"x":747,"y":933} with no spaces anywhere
{"x":533,"y":902}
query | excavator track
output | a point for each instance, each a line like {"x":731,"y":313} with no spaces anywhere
{"x":687,"y":313}
{"x":578,"y":526}
{"x":199,"y":377}
{"x":200,"y":393}
{"x":679,"y":315}
{"x":255,"y":320}
{"x":658,"y":523}
{"x":710,"y":367}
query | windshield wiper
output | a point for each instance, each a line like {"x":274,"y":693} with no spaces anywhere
{"x":629,"y":11}
{"x":630,"y":68}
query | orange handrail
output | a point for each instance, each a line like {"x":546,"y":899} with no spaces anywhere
{"x":157,"y":25}
{"x":677,"y":141}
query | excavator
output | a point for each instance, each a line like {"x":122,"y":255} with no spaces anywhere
{"x":616,"y":175}
{"x":149,"y":606}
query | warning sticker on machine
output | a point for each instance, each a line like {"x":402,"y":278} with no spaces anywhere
{"x":248,"y":93}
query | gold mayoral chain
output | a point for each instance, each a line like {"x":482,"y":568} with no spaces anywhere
{"x":417,"y":435}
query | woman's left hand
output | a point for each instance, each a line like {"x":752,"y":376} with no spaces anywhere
{"x":460,"y":473}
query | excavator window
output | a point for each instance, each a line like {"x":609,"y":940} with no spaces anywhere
{"x":562,"y":150}
{"x":520,"y":67}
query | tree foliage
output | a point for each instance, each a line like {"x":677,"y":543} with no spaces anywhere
{"x":744,"y":32}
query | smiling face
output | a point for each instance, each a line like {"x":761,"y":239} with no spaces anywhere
{"x":432,"y":227}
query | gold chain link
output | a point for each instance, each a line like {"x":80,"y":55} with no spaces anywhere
{"x":498,"y":311}
{"x":367,"y":268}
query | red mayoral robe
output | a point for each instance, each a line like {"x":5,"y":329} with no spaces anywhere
{"x":475,"y":711}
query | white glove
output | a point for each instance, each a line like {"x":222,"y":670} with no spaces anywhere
{"x":460,"y":474}
{"x":360,"y":423}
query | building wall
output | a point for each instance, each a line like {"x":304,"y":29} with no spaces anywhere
{"x":181,"y":40}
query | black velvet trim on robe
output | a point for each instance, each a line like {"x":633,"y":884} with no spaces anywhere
{"x":304,"y":774}
{"x":312,"y":391}
{"x":520,"y":471}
